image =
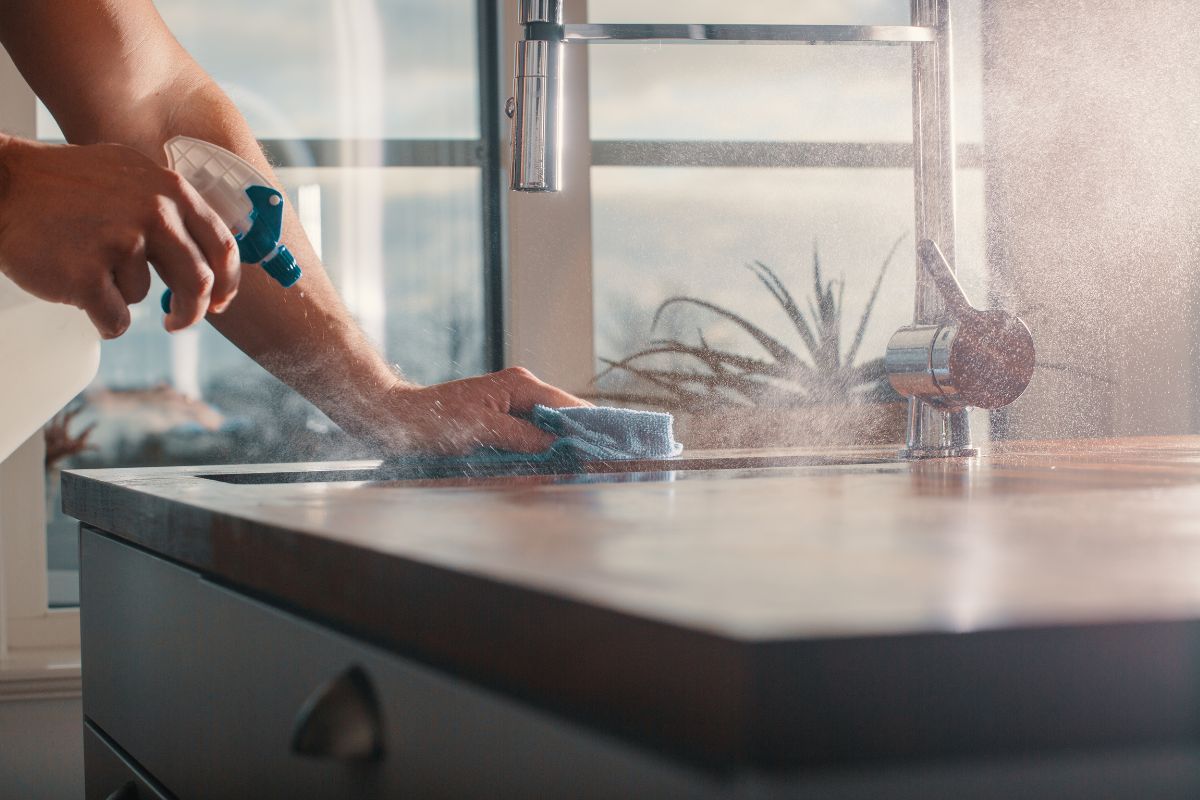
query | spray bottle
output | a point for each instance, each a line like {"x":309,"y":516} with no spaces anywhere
{"x":51,"y":352}
{"x":242,"y":198}
{"x":54,"y":348}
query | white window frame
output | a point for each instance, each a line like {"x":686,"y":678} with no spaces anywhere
{"x":549,"y":310}
{"x":548,"y":298}
{"x":548,"y":313}
{"x":39,"y":646}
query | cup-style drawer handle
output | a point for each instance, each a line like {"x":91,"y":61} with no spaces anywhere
{"x":340,"y":720}
{"x":127,"y":792}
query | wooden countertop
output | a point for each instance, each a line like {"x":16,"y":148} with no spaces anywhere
{"x":760,"y":610}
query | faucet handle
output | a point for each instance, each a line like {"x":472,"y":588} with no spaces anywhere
{"x":971,"y":357}
{"x":938,"y":268}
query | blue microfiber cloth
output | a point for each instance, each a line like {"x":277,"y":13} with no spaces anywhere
{"x":608,"y":433}
{"x":584,"y":434}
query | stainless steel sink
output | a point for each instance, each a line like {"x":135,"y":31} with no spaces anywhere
{"x":592,"y":471}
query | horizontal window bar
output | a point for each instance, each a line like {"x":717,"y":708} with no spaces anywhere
{"x":373,"y":152}
{"x":747,"y":34}
{"x":613,"y":153}
{"x":607,"y":153}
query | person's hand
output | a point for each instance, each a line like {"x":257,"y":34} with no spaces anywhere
{"x":457,"y":417}
{"x":79,"y":224}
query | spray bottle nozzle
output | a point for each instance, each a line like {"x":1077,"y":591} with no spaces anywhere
{"x":283,"y":267}
{"x":243,"y":200}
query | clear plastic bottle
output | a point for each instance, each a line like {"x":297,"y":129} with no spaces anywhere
{"x":49,"y":353}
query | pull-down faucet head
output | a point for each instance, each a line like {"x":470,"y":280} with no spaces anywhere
{"x":536,"y":104}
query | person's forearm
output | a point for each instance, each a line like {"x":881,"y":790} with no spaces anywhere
{"x":111,"y":72}
{"x":303,"y":335}
{"x":131,"y":83}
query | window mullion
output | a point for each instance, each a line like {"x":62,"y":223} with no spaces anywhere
{"x":490,"y":60}
{"x":23,"y":575}
{"x":23,"y":526}
{"x":725,"y":153}
{"x":549,"y":311}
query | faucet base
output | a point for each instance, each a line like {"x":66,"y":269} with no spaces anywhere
{"x":920,"y":453}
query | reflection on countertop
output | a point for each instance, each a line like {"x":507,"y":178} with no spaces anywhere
{"x":777,"y":586}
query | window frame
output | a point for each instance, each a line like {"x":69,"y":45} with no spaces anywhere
{"x":538,"y":289}
{"x":483,"y":153}
{"x":548,"y":278}
{"x":717,"y":153}
{"x":554,"y":279}
{"x":39,"y":645}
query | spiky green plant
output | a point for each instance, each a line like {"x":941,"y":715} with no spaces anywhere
{"x":701,"y":377}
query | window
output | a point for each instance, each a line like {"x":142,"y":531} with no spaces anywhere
{"x":382,"y":119}
{"x":39,"y":646}
{"x":385,"y":120}
{"x":681,"y":201}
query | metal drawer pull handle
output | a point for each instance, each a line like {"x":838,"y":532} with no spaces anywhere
{"x":340,"y":720}
{"x":127,"y":792}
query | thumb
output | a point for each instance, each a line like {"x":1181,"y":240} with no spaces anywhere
{"x":106,"y":308}
{"x":506,"y":432}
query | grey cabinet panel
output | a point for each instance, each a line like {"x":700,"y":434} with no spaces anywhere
{"x":110,"y":776}
{"x":142,"y":630}
{"x":204,"y":686}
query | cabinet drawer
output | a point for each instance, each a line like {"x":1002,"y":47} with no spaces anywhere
{"x":204,"y":688}
{"x":110,"y":775}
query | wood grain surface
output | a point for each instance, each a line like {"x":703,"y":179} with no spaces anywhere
{"x":763,"y":608}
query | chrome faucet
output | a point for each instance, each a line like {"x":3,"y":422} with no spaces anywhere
{"x":953,"y":356}
{"x":968,"y":358}
{"x":536,"y":104}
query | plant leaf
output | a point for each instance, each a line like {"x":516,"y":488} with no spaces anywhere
{"x":816,"y":269}
{"x":862,"y":323}
{"x":825,"y":314}
{"x":680,"y":394}
{"x":711,"y":356}
{"x":785,"y":299}
{"x":837,"y":324}
{"x":868,"y":372}
{"x":777,"y":349}
{"x":708,"y":355}
{"x":871,"y":378}
{"x":674,"y":382}
{"x":718,"y":378}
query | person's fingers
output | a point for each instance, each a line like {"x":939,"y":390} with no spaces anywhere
{"x":216,"y":243}
{"x":132,"y":278}
{"x":509,"y":433}
{"x":184,"y":270}
{"x":106,"y":308}
{"x":526,"y":391}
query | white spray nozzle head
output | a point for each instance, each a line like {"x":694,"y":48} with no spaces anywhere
{"x":219,"y":176}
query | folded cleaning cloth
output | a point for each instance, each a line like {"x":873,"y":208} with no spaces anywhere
{"x":584,"y":434}
{"x":608,"y":433}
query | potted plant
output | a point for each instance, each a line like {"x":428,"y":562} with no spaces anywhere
{"x":811,"y":392}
